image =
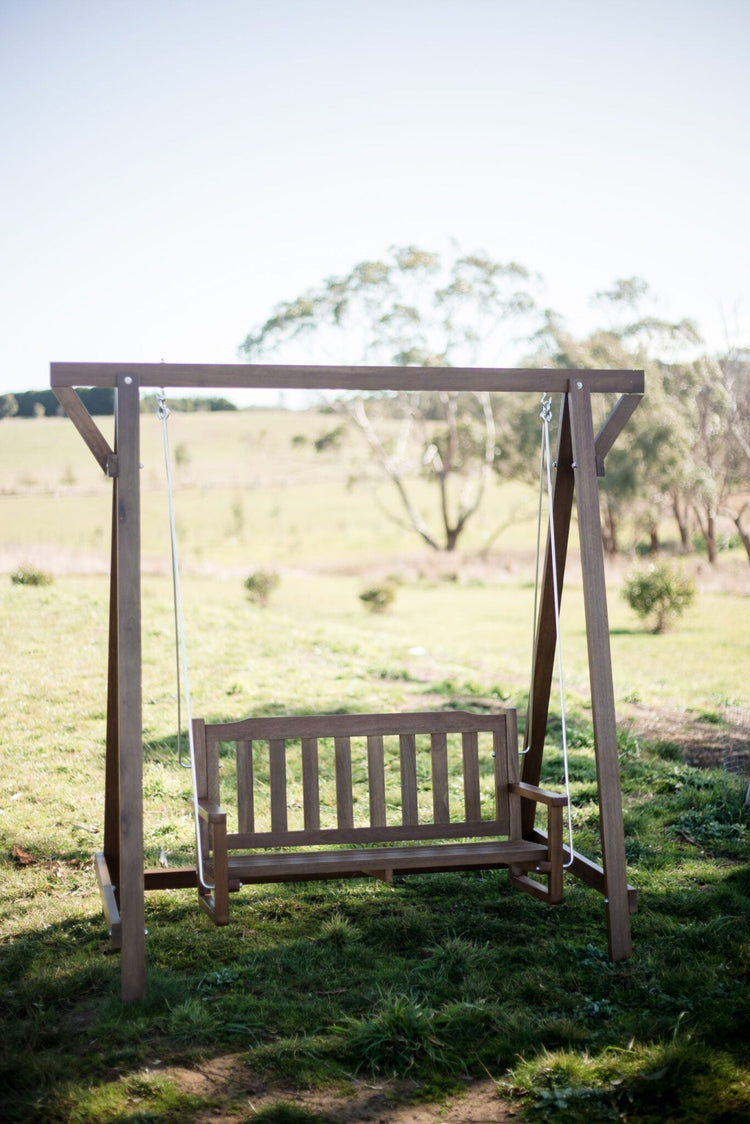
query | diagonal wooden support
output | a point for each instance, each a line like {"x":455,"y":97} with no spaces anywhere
{"x":546,"y":635}
{"x":87,"y":427}
{"x":624,"y":409}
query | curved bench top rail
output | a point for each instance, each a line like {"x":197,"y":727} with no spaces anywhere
{"x":240,"y":376}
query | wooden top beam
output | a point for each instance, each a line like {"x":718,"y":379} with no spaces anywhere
{"x":242,"y":376}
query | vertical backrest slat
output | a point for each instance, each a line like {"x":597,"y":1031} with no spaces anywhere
{"x":277,"y":778}
{"x":440,"y":799}
{"x":344,"y":806}
{"x":514,"y":802}
{"x":245,"y":795}
{"x":310,"y":784}
{"x":472,"y":801}
{"x":376,"y":779}
{"x":408,"y":755}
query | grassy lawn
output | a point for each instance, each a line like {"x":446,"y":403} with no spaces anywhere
{"x":316,"y":992}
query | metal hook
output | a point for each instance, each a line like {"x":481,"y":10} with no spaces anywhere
{"x":162,"y":410}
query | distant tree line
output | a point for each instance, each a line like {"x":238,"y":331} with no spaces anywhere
{"x":188,"y":405}
{"x":98,"y":400}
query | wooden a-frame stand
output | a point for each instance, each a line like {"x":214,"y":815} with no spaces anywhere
{"x":579,"y":461}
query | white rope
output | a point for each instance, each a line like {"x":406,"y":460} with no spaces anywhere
{"x":162,"y":413}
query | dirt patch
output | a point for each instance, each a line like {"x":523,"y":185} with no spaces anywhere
{"x":720,"y":741}
{"x":237,"y":1095}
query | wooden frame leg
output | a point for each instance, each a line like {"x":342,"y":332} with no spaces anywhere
{"x":600,"y":673}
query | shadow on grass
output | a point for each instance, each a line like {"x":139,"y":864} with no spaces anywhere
{"x":437,"y":978}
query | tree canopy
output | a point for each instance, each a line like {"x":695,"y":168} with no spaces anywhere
{"x":685,"y":455}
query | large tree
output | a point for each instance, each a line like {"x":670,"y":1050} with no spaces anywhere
{"x":414,"y":308}
{"x":646,"y":472}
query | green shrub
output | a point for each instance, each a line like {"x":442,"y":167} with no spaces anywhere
{"x":260,"y":585}
{"x":378,"y":598}
{"x":659,"y":594}
{"x":26,"y":574}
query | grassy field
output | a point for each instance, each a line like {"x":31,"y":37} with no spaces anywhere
{"x":323,"y":1002}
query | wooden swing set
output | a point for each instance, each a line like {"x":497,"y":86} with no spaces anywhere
{"x":265,"y":848}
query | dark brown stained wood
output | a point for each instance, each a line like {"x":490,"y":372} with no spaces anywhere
{"x":303,"y":865}
{"x":212,"y":768}
{"x":408,"y":757}
{"x":112,"y":757}
{"x":170,"y":878}
{"x":600,"y":673}
{"x":310,"y":784}
{"x":563,"y":491}
{"x":472,"y":799}
{"x":133,"y":966}
{"x":441,"y":811}
{"x":515,"y":807}
{"x":245,"y":794}
{"x":623,"y":410}
{"x":277,"y":776}
{"x":201,"y":772}
{"x":353,"y":725}
{"x":376,"y":780}
{"x":363,"y":836}
{"x":589,"y":872}
{"x":343,"y":759}
{"x":296,"y":377}
{"x":86,"y":426}
{"x":500,"y":753}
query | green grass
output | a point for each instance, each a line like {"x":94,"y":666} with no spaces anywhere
{"x":430,"y":982}
{"x":435,"y":979}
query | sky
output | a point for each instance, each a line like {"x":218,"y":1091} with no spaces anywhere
{"x":171,"y":169}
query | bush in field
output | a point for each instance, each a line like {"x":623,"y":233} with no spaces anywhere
{"x":27,"y":574}
{"x":260,"y":585}
{"x":378,"y":598}
{"x":660,"y":593}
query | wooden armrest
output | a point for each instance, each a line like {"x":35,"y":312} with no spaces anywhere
{"x":541,"y":795}
{"x":211,"y":813}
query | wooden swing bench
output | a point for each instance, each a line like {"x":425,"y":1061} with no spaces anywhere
{"x":359,"y":838}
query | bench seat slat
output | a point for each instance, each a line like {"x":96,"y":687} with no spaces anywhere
{"x":301,"y":865}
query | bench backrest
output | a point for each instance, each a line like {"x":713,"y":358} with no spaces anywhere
{"x":362,"y":778}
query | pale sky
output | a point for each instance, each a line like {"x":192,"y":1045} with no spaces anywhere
{"x":173,"y":168}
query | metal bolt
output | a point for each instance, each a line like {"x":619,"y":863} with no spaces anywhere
{"x":128,"y":380}
{"x":579,"y":385}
